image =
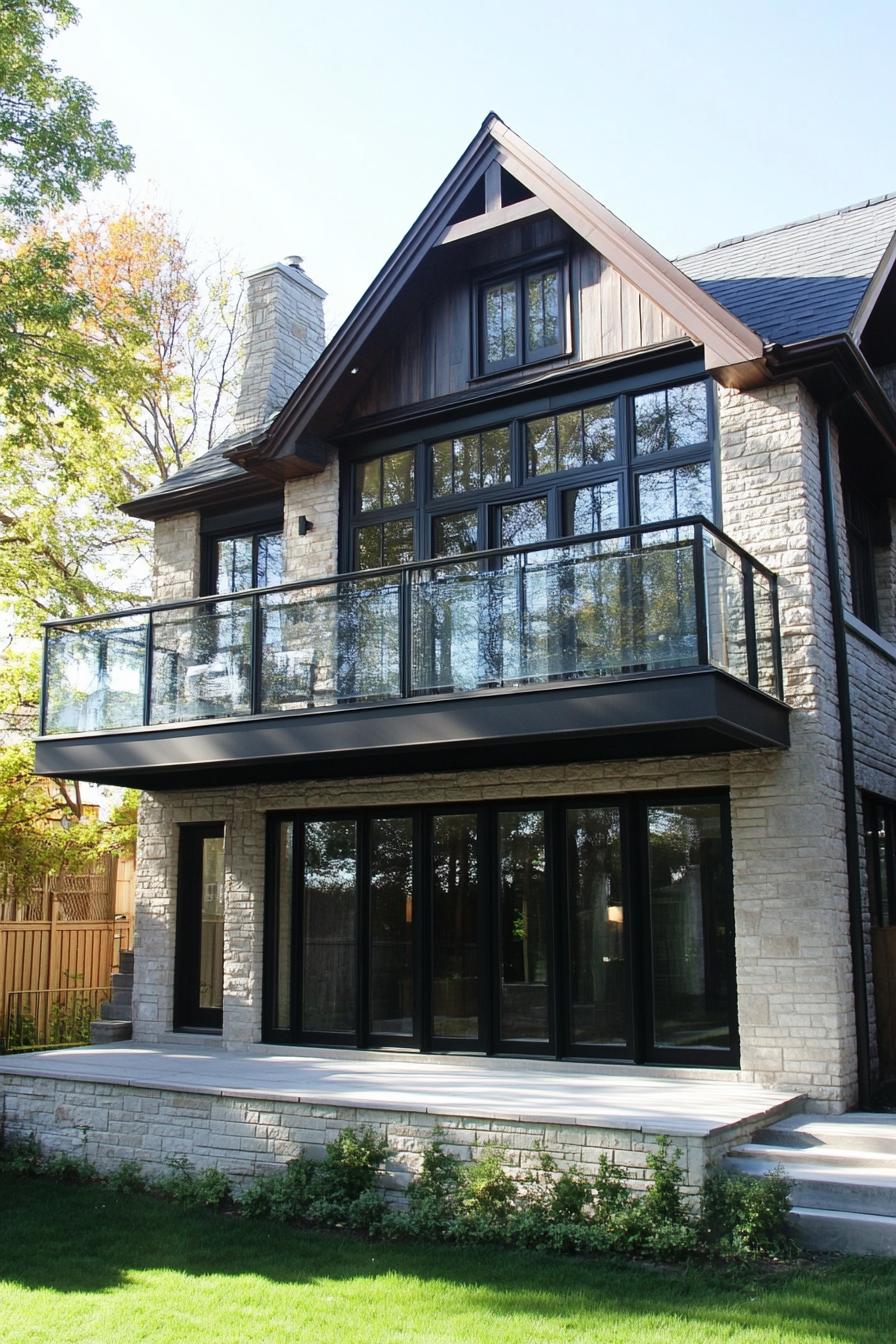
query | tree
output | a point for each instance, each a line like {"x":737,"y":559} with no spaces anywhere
{"x":107,"y":339}
{"x":51,"y":149}
{"x":173,"y":325}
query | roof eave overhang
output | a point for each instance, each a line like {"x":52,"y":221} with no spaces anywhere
{"x":202,"y":496}
{"x":836,"y":372}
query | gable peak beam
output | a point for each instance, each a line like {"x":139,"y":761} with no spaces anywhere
{"x":493,"y":187}
{"x":726,"y":340}
{"x":493,"y":219}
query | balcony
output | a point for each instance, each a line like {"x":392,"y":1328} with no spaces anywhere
{"x":653,"y":640}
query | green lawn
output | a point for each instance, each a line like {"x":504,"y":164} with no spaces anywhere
{"x":79,"y":1266}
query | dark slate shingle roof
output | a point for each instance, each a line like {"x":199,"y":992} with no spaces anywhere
{"x":211,"y":468}
{"x":801,"y":280}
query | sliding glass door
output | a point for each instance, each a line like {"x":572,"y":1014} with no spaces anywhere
{"x":592,"y":928}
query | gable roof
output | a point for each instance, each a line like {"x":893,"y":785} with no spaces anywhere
{"x":811,"y":278}
{"x":725,"y":338}
{"x":802,"y":280}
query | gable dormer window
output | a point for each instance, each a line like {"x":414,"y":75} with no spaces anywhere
{"x":521,"y":316}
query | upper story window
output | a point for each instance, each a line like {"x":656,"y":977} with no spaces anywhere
{"x":521,"y":316}
{"x":471,"y":462}
{"x":248,"y":560}
{"x":580,"y":469}
{"x":383,"y":501}
{"x":867,"y":534}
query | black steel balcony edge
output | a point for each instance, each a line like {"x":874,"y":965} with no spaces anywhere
{"x":691,"y":711}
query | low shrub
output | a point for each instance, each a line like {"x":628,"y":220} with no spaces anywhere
{"x":742,"y":1218}
{"x":339,"y":1191}
{"x":126,"y":1179}
{"x":208,"y":1188}
{"x":23,"y":1157}
{"x":739,"y":1218}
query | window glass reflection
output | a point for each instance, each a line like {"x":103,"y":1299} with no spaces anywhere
{"x":525,"y":937}
{"x":455,"y":926}
{"x":596,"y":907}
{"x":690,"y":919}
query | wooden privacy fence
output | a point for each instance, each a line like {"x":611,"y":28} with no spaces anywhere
{"x":106,"y":891}
{"x":59,"y":953}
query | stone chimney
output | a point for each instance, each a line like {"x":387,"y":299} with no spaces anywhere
{"x":285,"y":321}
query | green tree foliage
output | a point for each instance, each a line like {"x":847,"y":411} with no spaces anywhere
{"x":51,"y":145}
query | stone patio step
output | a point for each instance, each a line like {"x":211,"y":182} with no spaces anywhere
{"x":842,"y":1171}
{"x":110,"y":1029}
{"x":844,"y":1232}
{"x":826,"y":1159}
{"x":857,"y":1131}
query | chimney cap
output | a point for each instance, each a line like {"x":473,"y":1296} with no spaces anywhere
{"x":293,"y":261}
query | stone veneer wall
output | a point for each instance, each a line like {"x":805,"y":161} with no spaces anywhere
{"x":791,"y":896}
{"x":176,"y":558}
{"x":317,"y":498}
{"x":791,"y":911}
{"x":250,"y":1136}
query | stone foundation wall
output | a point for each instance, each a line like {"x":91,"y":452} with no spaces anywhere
{"x":250,"y":1136}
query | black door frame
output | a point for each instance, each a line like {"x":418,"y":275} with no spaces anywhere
{"x":637,"y":939}
{"x":188,"y":1015}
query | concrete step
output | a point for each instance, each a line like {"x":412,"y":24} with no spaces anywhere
{"x":126,"y":962}
{"x":844,"y":1232}
{"x":122,"y":980}
{"x":817,"y":1185}
{"x":109,"y":1029}
{"x":858,"y":1130}
{"x":110,"y":1011}
{"x":821,"y":1154}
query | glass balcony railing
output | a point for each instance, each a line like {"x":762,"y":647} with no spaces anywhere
{"x":643,"y":600}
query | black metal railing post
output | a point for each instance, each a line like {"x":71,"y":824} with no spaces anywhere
{"x":776,"y":638}
{"x":700,"y":597}
{"x":405,"y":653}
{"x":147,"y":669}
{"x":44,"y":674}
{"x":746,"y":570}
{"x":255,"y":655}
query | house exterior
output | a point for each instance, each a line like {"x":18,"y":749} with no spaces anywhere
{"x":521,"y":673}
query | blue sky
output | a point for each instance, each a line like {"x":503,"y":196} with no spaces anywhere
{"x":280,"y":126}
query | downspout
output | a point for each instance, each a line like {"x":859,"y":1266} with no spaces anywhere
{"x":847,"y":755}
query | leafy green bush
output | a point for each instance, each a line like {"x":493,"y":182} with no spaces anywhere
{"x":487,"y":1193}
{"x":23,"y":1157}
{"x":76,"y":1170}
{"x":350,"y":1167}
{"x":744,"y":1218}
{"x":339,"y":1190}
{"x":740,"y":1218}
{"x":208,"y":1188}
{"x":125,"y":1179}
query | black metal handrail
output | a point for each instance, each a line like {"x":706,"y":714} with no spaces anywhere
{"x":405,"y":575}
{"x":410,"y":566}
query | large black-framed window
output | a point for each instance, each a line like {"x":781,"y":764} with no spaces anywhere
{"x":596,"y":462}
{"x":199,"y":950}
{"x":591,"y":927}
